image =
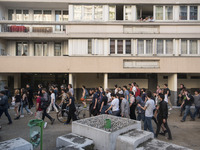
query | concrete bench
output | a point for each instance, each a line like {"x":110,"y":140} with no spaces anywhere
{"x":72,"y":139}
{"x":69,"y":147}
{"x":131,"y":139}
{"x":16,"y":144}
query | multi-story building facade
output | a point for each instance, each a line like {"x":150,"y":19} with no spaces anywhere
{"x":92,"y":43}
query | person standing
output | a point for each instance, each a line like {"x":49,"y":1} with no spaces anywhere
{"x":30,"y":96}
{"x":104,"y":105}
{"x":197,"y":104}
{"x":84,"y":96}
{"x":149,"y":108}
{"x":134,"y":89}
{"x":71,"y":90}
{"x":137,"y":93}
{"x":17,"y":103}
{"x":167,"y":95}
{"x":72,"y":108}
{"x":108,"y":94}
{"x":116,"y":89}
{"x":126,"y":93}
{"x":45,"y":98}
{"x":24,"y":103}
{"x":4,"y":106}
{"x":162,"y":109}
{"x":38,"y":109}
{"x":94,"y":104}
{"x":132,"y":106}
{"x":40,"y":90}
{"x":140,"y":111}
{"x":187,"y":103}
{"x":114,"y":105}
{"x":125,"y":109}
{"x":53,"y":100}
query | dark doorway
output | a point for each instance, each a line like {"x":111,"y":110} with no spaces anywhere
{"x":119,"y":12}
{"x":152,"y":82}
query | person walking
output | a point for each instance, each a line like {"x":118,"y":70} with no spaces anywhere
{"x":29,"y":96}
{"x":38,"y":109}
{"x":167,"y":95}
{"x":132,"y":106}
{"x":162,"y":109}
{"x":4,"y":106}
{"x":17,"y":103}
{"x":140,"y":111}
{"x":53,"y":99}
{"x":114,"y":105}
{"x":71,"y":90}
{"x":197,"y":104}
{"x":72,"y":108}
{"x":149,"y":108}
{"x":125,"y":109}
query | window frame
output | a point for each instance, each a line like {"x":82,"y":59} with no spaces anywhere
{"x":164,"y":47}
{"x":164,"y":12}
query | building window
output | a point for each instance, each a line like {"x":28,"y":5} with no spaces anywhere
{"x":37,"y":15}
{"x":40,"y":49}
{"x":65,"y":15}
{"x":57,"y":49}
{"x":184,"y":46}
{"x":87,"y":15}
{"x":112,"y":12}
{"x":159,"y":12}
{"x":21,"y":49}
{"x":77,"y":12}
{"x":168,"y":13}
{"x":119,"y":46}
{"x":193,"y":12}
{"x":98,"y":12}
{"x":169,"y":46}
{"x":89,"y":46}
{"x":26,"y":15}
{"x":11,"y":14}
{"x":183,"y":13}
{"x":128,"y":46}
{"x":18,"y":15}
{"x":145,"y":46}
{"x":128,"y":12}
{"x":160,"y":47}
{"x":193,"y":47}
{"x":112,"y":46}
{"x":47,"y":15}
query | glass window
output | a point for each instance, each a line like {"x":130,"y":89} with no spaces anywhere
{"x":10,"y":14}
{"x":45,"y":49}
{"x":26,"y":15}
{"x":77,"y":12}
{"x":21,"y":49}
{"x":193,"y":12}
{"x":65,"y":15}
{"x":168,"y":13}
{"x":57,"y":49}
{"x":149,"y":46}
{"x":183,"y":46}
{"x":119,"y":46}
{"x":47,"y":15}
{"x":193,"y":46}
{"x":25,"y":49}
{"x":112,"y":46}
{"x":128,"y":12}
{"x":38,"y":49}
{"x":140,"y":46}
{"x":112,"y":12}
{"x":159,"y":12}
{"x":128,"y":46}
{"x":37,"y":15}
{"x":98,"y":12}
{"x":169,"y":46}
{"x":87,"y":15}
{"x":183,"y":13}
{"x":160,"y":47}
{"x":58,"y":17}
{"x":90,"y":46}
{"x":19,"y":15}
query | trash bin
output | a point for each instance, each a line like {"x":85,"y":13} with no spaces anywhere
{"x":36,"y":132}
{"x":107,"y":123}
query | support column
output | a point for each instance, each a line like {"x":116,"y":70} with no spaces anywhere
{"x":172,"y":84}
{"x":17,"y":81}
{"x":71,"y":79}
{"x":105,"y":81}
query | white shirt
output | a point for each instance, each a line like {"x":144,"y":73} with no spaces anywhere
{"x":115,"y":104}
{"x":109,"y":98}
{"x":53,"y":97}
{"x":134,"y":89}
{"x":116,"y":90}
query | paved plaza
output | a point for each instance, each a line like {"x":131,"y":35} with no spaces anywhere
{"x":184,"y":134}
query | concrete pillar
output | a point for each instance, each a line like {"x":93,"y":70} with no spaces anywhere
{"x":17,"y":81}
{"x":105,"y":81}
{"x":71,"y":79}
{"x":172,"y":84}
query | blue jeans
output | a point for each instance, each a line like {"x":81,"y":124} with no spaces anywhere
{"x":148,"y":124}
{"x":140,"y":117}
{"x":197,"y":111}
{"x":187,"y":111}
{"x":26,"y":107}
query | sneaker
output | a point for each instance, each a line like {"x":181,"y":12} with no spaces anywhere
{"x":170,"y":108}
{"x":192,"y":119}
{"x":182,"y":120}
{"x":66,"y":123}
{"x":31,"y":113}
{"x":17,"y":118}
{"x":52,"y":121}
{"x":45,"y":125}
{"x":21,"y":116}
{"x":9,"y":123}
{"x":169,"y":138}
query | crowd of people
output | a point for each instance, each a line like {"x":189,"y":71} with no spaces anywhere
{"x":129,"y":102}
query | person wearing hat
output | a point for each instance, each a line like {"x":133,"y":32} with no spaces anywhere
{"x":4,"y":106}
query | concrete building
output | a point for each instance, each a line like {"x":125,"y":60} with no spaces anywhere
{"x":92,"y":43}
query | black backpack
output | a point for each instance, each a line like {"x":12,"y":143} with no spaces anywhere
{"x":192,"y":99}
{"x":45,"y":102}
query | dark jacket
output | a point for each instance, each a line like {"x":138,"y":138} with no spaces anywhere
{"x":163,"y":110}
{"x":4,"y":102}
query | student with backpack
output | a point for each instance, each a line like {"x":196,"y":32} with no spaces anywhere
{"x":188,"y":103}
{"x":45,"y":102}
